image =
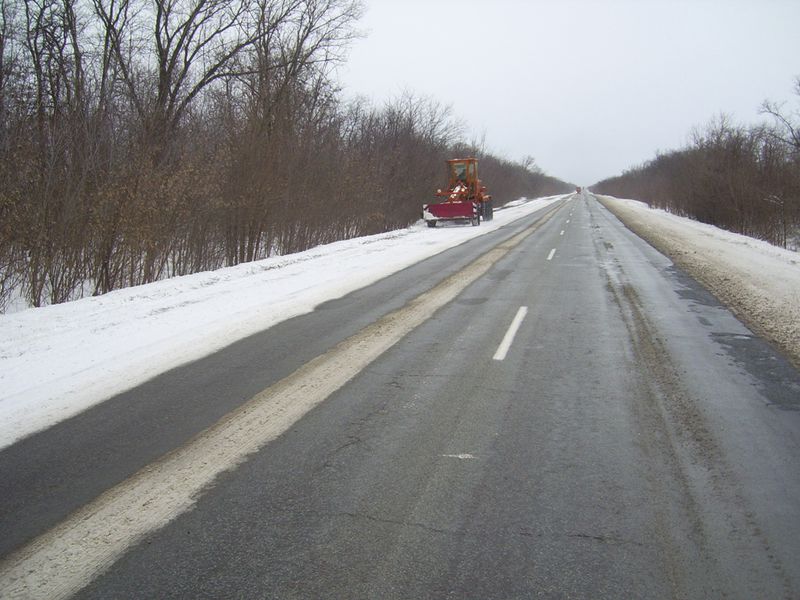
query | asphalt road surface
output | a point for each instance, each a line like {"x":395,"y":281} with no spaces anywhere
{"x":575,"y":419}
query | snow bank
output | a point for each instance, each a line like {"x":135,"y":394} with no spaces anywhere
{"x":758,"y":281}
{"x":56,"y":361}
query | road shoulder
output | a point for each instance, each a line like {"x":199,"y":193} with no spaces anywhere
{"x":768,"y":307}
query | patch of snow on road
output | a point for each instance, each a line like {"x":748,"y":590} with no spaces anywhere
{"x":59,"y":360}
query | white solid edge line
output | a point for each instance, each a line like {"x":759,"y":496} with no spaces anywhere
{"x":502,"y":349}
{"x":552,"y":252}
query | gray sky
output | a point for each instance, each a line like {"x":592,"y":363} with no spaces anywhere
{"x":588,"y":88}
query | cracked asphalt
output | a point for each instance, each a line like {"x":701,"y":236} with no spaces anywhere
{"x":627,"y":447}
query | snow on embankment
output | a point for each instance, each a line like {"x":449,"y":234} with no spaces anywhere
{"x":758,"y":281}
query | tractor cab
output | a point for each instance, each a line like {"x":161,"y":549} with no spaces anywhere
{"x":464,"y":171}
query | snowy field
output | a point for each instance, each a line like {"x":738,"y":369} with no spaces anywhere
{"x":58,"y":360}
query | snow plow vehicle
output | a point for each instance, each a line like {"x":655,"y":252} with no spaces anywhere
{"x":465,"y":200}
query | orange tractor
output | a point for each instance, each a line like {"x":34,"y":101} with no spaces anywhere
{"x":465,"y":200}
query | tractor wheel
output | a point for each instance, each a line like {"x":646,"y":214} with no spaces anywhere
{"x":488,"y":211}
{"x":431,"y":223}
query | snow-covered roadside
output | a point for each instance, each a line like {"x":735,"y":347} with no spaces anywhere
{"x":56,"y":361}
{"x":758,"y":281}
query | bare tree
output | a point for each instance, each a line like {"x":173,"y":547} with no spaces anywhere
{"x":6,"y":66}
{"x":194,"y":43}
{"x":788,"y":124}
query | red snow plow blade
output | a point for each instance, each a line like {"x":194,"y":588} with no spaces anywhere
{"x":450,"y":211}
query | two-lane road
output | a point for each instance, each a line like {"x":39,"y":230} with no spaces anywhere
{"x":575,"y":419}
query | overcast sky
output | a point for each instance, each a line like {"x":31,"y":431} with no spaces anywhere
{"x":588,"y":88}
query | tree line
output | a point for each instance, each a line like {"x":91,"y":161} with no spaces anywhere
{"x":144,"y":139}
{"x":745,"y":179}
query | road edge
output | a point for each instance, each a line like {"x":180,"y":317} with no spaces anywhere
{"x":712,"y":278}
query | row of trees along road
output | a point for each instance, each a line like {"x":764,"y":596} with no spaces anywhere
{"x":143,"y":139}
{"x":744,"y":179}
